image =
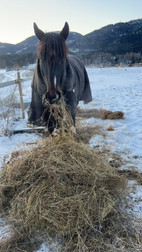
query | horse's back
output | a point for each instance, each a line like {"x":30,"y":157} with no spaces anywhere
{"x":82,"y":80}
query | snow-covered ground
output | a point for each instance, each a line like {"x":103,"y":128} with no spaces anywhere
{"x":119,"y":89}
{"x":115,"y":89}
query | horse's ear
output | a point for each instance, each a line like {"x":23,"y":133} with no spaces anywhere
{"x":65,"y":31}
{"x":39,"y":33}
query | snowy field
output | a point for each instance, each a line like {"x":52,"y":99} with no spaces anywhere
{"x":120,"y":89}
{"x":115,"y":89}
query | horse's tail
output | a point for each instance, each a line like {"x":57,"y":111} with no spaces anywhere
{"x":87,"y":95}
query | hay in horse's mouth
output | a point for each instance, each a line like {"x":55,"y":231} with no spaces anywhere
{"x":65,"y":190}
{"x":58,"y":112}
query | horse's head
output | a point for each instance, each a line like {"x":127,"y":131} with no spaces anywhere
{"x":52,"y":52}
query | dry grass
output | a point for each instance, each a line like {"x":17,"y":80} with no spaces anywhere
{"x":100,"y":113}
{"x":66,"y":191}
{"x":110,"y":128}
{"x":132,"y":175}
{"x":84,"y":134}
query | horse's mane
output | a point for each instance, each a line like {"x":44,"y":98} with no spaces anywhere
{"x":52,"y":47}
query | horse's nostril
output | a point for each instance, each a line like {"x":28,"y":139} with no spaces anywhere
{"x":52,"y":99}
{"x":59,"y":94}
{"x":49,"y":97}
{"x":57,"y":97}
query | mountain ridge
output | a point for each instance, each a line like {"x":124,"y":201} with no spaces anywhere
{"x":119,"y":43}
{"x":30,"y":44}
{"x":116,"y":38}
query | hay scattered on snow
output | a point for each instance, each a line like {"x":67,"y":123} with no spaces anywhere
{"x":105,"y":114}
{"x":100,"y":113}
{"x":110,"y":128}
{"x":132,"y":175}
{"x":64,"y":190}
{"x":84,"y":134}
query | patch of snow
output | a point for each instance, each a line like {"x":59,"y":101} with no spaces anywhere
{"x":97,"y":142}
{"x":48,"y":247}
{"x":23,"y":49}
{"x":31,"y":66}
{"x":135,"y":199}
{"x":5,"y":232}
{"x":15,"y":142}
{"x":43,"y":248}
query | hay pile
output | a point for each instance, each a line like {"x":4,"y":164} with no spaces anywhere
{"x":66,"y":191}
{"x":100,"y":113}
{"x":106,"y":114}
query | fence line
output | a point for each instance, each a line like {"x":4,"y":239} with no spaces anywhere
{"x":17,"y":81}
{"x":21,"y":95}
{"x":9,"y":83}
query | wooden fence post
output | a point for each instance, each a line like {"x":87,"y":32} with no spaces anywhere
{"x":21,"y":96}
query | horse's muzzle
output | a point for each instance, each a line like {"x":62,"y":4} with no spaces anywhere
{"x":53,"y":99}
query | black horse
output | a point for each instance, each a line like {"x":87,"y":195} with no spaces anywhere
{"x":57,"y":74}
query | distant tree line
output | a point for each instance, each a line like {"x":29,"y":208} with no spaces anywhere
{"x":89,"y":58}
{"x":107,"y":59}
{"x":10,"y":60}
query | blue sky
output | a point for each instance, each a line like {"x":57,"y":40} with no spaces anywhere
{"x":84,"y":16}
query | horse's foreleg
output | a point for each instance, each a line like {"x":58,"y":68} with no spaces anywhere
{"x":71,"y":104}
{"x":36,"y":108}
